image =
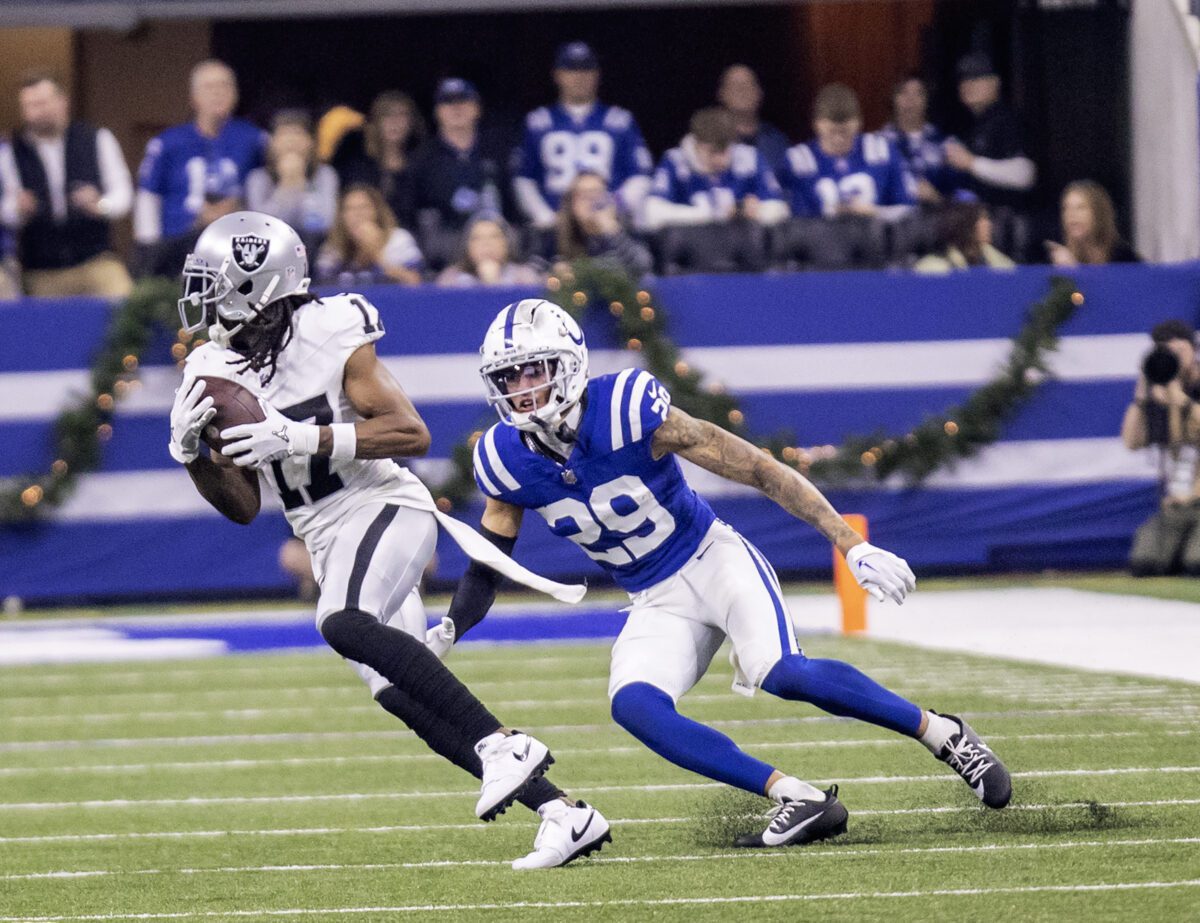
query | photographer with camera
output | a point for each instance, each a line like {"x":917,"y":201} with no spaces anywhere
{"x":1164,"y":413}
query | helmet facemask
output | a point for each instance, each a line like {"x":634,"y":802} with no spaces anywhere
{"x":555,"y":366}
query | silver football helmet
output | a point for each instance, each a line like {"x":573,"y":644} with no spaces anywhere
{"x":241,"y":263}
{"x":534,"y":331}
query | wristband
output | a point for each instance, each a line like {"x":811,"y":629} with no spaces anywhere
{"x":345,"y":440}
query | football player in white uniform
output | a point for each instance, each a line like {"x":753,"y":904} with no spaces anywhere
{"x":335,"y":417}
{"x":597,"y":459}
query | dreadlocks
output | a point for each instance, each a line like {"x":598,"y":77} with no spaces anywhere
{"x":262,"y":339}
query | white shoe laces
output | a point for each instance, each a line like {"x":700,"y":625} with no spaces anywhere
{"x":967,"y":759}
{"x":781,"y":815}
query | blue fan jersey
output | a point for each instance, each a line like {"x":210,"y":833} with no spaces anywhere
{"x":872,"y":173}
{"x":748,"y":175}
{"x":924,"y":157}
{"x":633,"y":515}
{"x":556,"y":148}
{"x":184,"y":168}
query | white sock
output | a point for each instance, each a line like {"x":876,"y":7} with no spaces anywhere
{"x":789,"y":788}
{"x":938,"y":732}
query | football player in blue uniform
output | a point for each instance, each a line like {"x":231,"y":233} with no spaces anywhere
{"x":711,"y":178}
{"x":597,"y":459}
{"x":844,"y":171}
{"x":579,"y":134}
{"x":192,"y":174}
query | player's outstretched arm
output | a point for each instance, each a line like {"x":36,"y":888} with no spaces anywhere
{"x":232,"y":491}
{"x":392,"y":427}
{"x":879,"y":572}
{"x":732,"y":457}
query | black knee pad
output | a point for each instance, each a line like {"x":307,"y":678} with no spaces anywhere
{"x":349,"y":632}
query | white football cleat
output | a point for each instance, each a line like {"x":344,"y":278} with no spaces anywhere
{"x":440,"y":638}
{"x":566,"y":834}
{"x":509,"y":764}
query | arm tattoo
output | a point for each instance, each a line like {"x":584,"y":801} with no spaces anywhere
{"x":732,"y":457}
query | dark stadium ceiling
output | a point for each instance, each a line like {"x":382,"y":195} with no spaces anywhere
{"x":118,"y":15}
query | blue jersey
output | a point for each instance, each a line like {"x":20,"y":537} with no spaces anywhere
{"x":924,"y":157}
{"x":873,"y":173}
{"x":185,"y":168}
{"x":634,"y":515}
{"x":557,"y":148}
{"x":677,"y":179}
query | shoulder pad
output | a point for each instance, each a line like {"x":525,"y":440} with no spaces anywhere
{"x":745,"y":160}
{"x":491,"y":473}
{"x":617,"y":119}
{"x":638,"y":405}
{"x":875,"y":148}
{"x":801,"y":160}
{"x":539,"y":120}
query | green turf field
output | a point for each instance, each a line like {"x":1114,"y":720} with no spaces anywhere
{"x":270,"y":787}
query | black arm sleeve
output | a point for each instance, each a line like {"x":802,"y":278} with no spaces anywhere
{"x":477,"y":590}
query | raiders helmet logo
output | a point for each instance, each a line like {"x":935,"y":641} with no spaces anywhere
{"x":249,"y":251}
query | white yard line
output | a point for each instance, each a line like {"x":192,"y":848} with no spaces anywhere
{"x":1178,"y":713}
{"x":530,"y":824}
{"x":198,"y":801}
{"x":836,"y":852}
{"x":626,"y":902}
{"x":237,"y":764}
{"x":1049,"y":695}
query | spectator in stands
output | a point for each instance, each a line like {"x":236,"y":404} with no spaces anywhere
{"x":844,"y":171}
{"x":193,"y":174}
{"x":486,"y":257}
{"x":711,"y":178}
{"x":10,"y":271}
{"x":993,"y":156}
{"x":1089,"y":227}
{"x":294,"y":186}
{"x":920,"y":143}
{"x":965,"y":240}
{"x":741,"y":94}
{"x":1165,"y":413}
{"x":366,"y":247}
{"x":380,"y":153}
{"x":66,"y":182}
{"x":590,"y":226}
{"x":460,"y":171}
{"x":577,"y":134}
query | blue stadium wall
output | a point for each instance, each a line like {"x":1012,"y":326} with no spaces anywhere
{"x":818,"y":355}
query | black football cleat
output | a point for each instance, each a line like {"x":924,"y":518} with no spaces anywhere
{"x":967,"y":754}
{"x":795,"y":823}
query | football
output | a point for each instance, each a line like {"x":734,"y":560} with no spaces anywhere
{"x":235,"y":405}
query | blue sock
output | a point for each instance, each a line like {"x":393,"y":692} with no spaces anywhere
{"x":648,"y":714}
{"x":841,"y":689}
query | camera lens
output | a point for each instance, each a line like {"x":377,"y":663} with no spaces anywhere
{"x":1160,"y":366}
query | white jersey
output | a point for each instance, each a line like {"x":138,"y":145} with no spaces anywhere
{"x":318,"y":493}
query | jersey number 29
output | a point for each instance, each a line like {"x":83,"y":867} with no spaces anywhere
{"x":625,"y":506}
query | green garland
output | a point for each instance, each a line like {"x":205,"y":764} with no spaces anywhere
{"x":961,"y":431}
{"x":939,"y":441}
{"x":81,"y":430}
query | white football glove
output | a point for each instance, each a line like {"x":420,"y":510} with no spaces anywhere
{"x":189,"y":415}
{"x":440,"y":638}
{"x":881,"y":573}
{"x":252,"y":445}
